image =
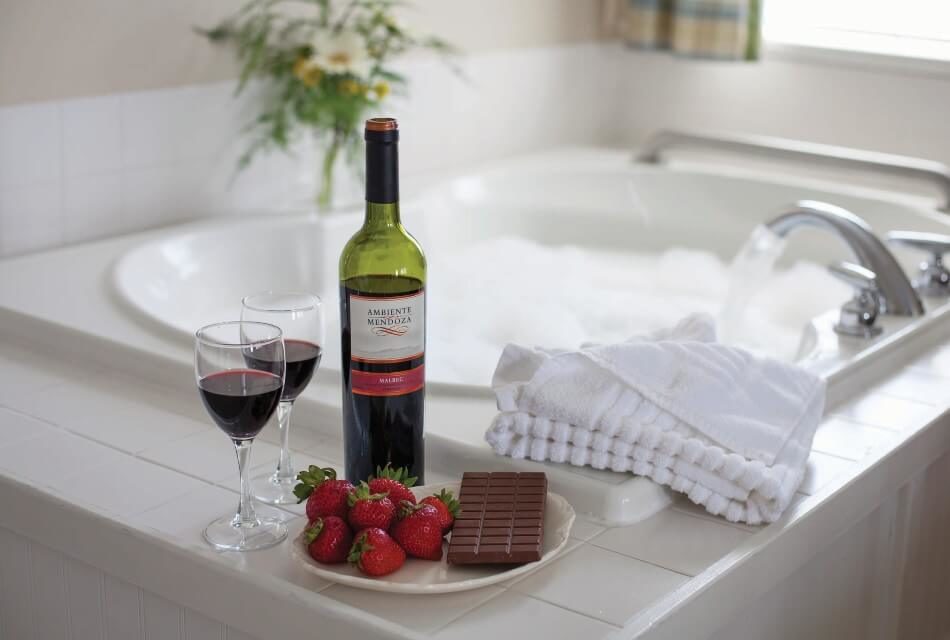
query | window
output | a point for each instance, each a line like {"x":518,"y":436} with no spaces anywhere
{"x":909,"y":28}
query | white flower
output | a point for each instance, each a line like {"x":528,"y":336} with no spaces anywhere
{"x":343,"y":52}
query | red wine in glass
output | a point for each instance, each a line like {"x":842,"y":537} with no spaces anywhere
{"x":303,"y":359}
{"x":240,"y":401}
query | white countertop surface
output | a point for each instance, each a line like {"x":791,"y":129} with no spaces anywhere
{"x":119,"y":443}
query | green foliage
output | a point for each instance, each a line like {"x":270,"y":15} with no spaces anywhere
{"x":324,"y":65}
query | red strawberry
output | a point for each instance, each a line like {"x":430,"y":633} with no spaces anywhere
{"x":375,"y":553}
{"x":419,"y":531}
{"x":370,"y":510}
{"x":447,"y":506}
{"x":328,"y":540}
{"x":394,"y":482}
{"x":325,"y":495}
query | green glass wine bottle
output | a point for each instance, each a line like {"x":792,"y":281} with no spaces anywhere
{"x":382,"y":315}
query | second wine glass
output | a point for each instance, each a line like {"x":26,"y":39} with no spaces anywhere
{"x":300,"y":318}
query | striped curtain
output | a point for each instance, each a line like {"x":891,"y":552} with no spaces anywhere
{"x":716,"y":29}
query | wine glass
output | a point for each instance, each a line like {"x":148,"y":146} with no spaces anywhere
{"x":300,"y":318}
{"x":240,"y":369}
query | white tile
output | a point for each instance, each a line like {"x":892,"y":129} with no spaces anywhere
{"x":132,"y":417}
{"x":851,"y":440}
{"x":600,"y":583}
{"x":200,"y":627}
{"x":168,"y":125}
{"x":186,"y":517}
{"x":821,"y":470}
{"x":684,"y":505}
{"x":278,"y":560}
{"x":209,"y":455}
{"x":52,"y":461}
{"x":129,"y":486}
{"x":674,"y":540}
{"x":49,"y":593}
{"x":92,"y":207}
{"x":84,"y":586}
{"x":92,"y":138}
{"x":160,"y":195}
{"x":584,"y":529}
{"x":918,"y":386}
{"x":425,"y":615}
{"x":30,"y":218}
{"x":164,"y":620}
{"x":888,"y":412}
{"x":123,"y":610}
{"x":16,"y":427}
{"x":24,"y":372}
{"x":30,"y":144}
{"x":15,"y":592}
{"x":518,"y":616}
{"x":935,"y":363}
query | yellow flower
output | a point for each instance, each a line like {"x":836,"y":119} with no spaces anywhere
{"x":381,"y":89}
{"x":350,"y":87}
{"x":307,"y":72}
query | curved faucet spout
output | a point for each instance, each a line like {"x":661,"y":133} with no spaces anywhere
{"x":897,"y":295}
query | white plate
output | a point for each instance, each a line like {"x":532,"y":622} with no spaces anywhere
{"x":426,"y":576}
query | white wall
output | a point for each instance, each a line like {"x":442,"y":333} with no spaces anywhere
{"x":79,"y":169}
{"x":835,"y":102}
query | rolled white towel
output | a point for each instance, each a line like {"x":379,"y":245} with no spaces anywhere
{"x":730,"y":429}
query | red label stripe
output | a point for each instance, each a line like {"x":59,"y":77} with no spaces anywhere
{"x":394,"y":383}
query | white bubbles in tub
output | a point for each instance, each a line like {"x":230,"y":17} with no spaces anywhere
{"x":511,"y":289}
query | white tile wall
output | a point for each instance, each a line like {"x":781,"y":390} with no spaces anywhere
{"x":81,"y":169}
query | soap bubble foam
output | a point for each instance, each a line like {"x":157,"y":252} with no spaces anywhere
{"x":511,"y":289}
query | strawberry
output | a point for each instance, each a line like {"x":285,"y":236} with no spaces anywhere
{"x":328,"y":540}
{"x":375,"y":553}
{"x":369,"y":510}
{"x":325,"y":495}
{"x":418,"y":530}
{"x":394,"y":482}
{"x":447,"y":506}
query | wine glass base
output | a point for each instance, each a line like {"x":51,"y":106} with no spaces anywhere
{"x":272,"y":490}
{"x":224,"y":534}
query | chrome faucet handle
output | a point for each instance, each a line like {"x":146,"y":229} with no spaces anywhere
{"x":858,"y":314}
{"x":934,"y":278}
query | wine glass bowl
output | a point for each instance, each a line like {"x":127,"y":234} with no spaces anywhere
{"x":241,"y":390}
{"x":300,"y":318}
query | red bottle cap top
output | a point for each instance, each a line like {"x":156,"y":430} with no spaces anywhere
{"x":381,"y":124}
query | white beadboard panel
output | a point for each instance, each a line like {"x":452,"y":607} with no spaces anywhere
{"x":30,"y":218}
{"x":235,"y":634}
{"x":15,"y":586}
{"x":30,"y":144}
{"x":84,"y":591}
{"x":201,"y":627}
{"x":123,"y":610}
{"x":92,"y":136}
{"x":49,"y":593}
{"x":164,"y":620}
{"x":92,"y":207}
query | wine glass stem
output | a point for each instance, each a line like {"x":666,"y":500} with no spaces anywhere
{"x":285,"y":467}
{"x":245,"y":515}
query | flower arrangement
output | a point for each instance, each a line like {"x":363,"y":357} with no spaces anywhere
{"x":324,"y":68}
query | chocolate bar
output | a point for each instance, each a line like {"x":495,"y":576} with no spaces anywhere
{"x":502,"y":518}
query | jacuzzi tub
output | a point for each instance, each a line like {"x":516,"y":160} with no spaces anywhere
{"x":596,"y":201}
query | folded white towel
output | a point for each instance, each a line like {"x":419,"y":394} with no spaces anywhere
{"x":730,"y":429}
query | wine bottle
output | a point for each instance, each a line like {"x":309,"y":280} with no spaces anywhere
{"x":383,"y":315}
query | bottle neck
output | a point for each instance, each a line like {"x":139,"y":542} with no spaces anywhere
{"x":382,"y":182}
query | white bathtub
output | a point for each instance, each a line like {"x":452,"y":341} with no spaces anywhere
{"x":596,"y":200}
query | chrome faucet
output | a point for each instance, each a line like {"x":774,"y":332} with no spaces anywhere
{"x":895,"y":292}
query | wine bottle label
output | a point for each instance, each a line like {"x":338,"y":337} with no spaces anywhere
{"x":396,"y":383}
{"x":387,"y":329}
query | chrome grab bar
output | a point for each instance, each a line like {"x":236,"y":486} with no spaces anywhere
{"x":818,"y":154}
